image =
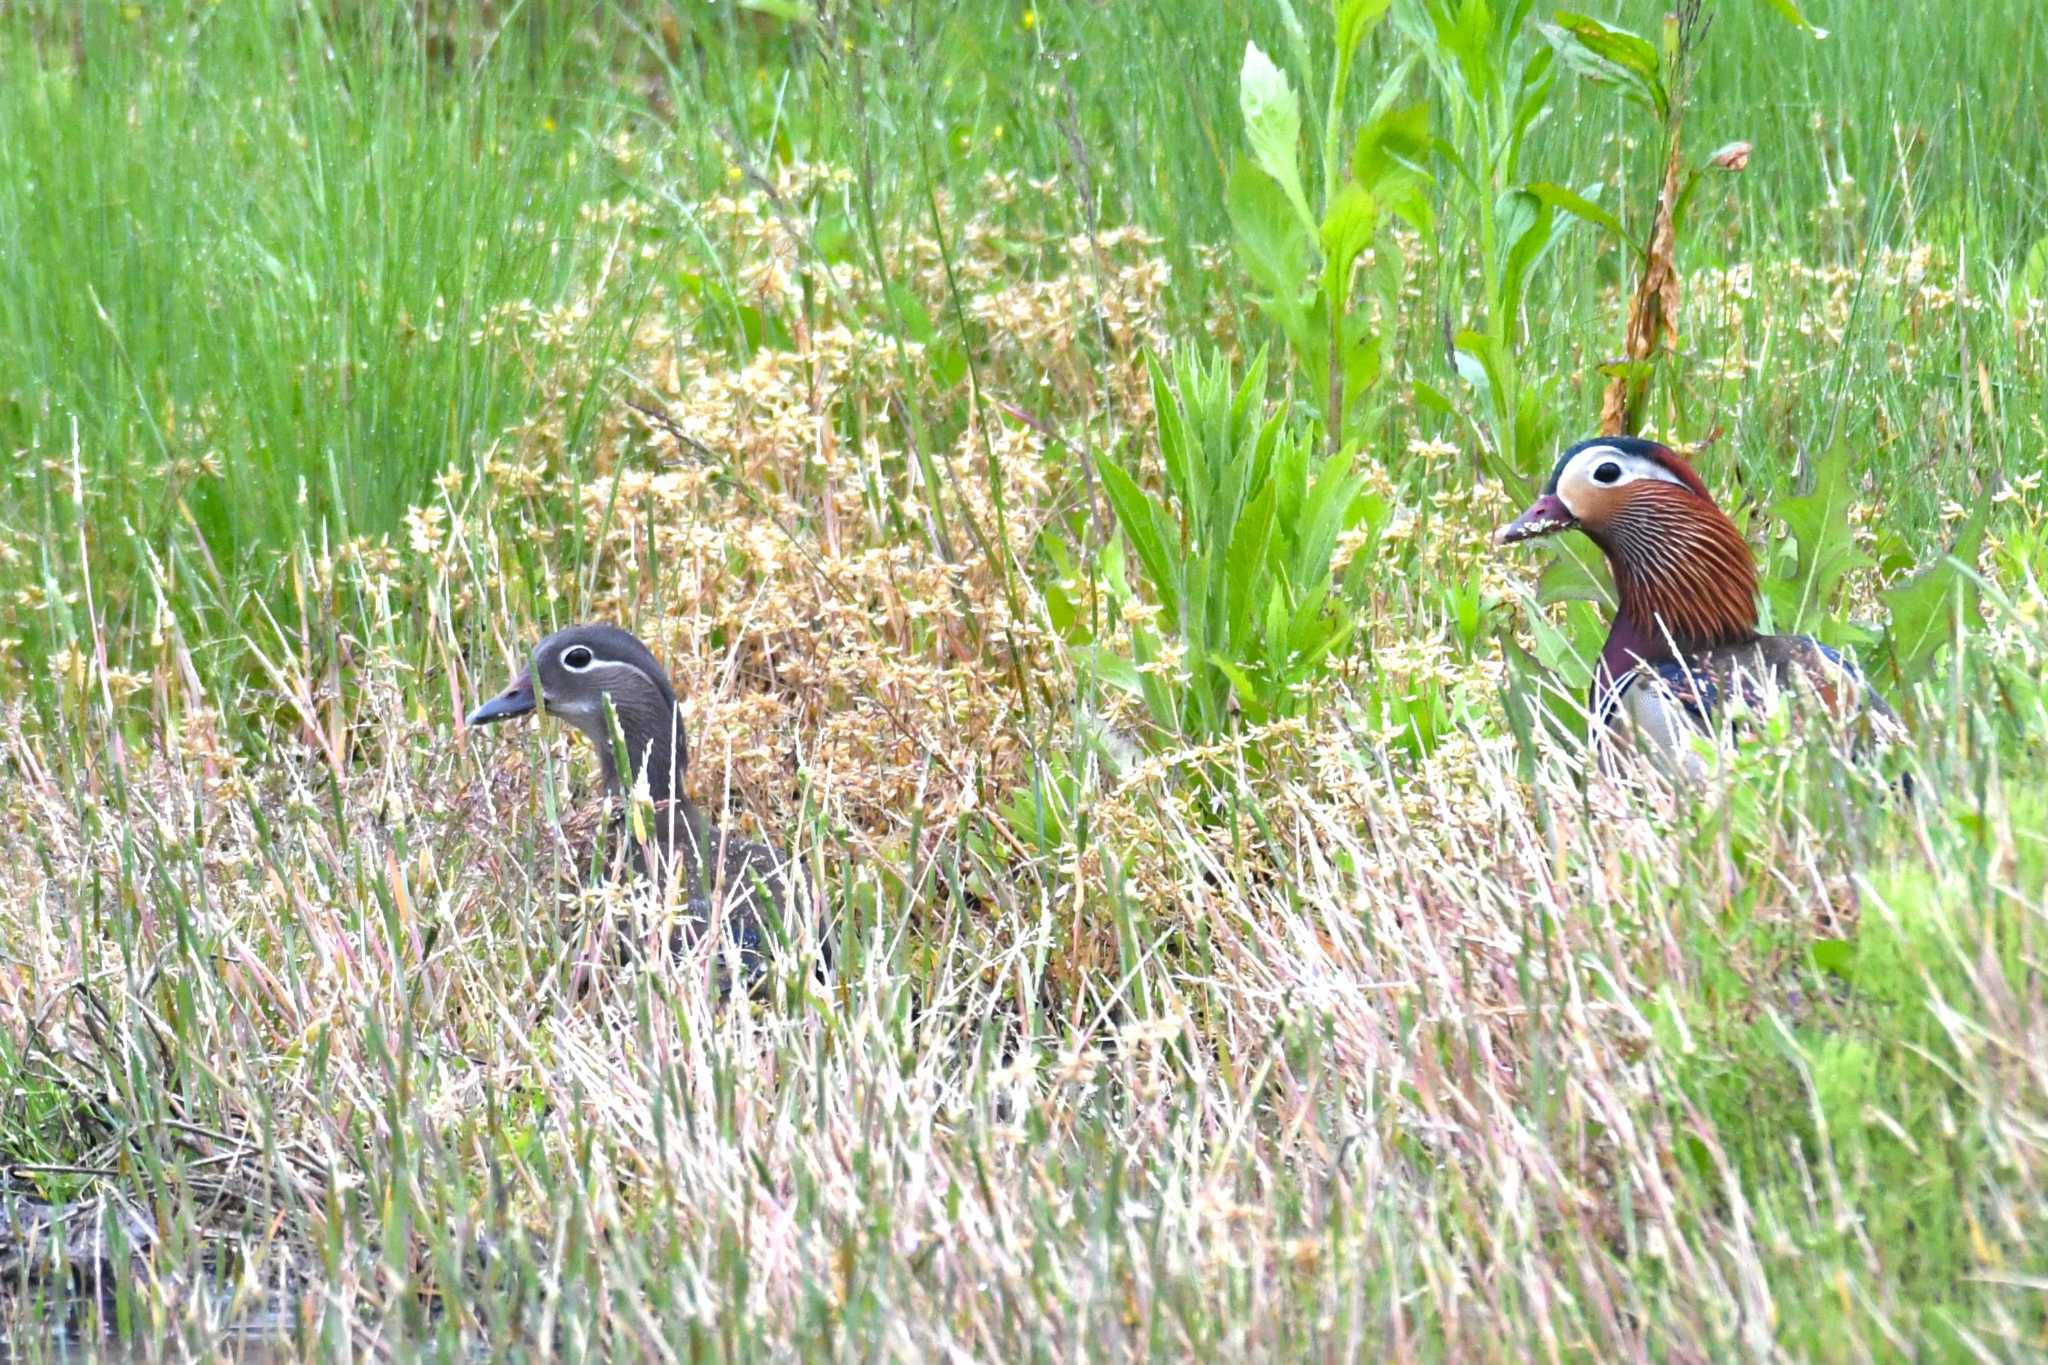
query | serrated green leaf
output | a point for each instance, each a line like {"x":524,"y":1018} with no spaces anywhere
{"x":1922,"y":611}
{"x":1825,"y":539}
{"x":1172,"y":425}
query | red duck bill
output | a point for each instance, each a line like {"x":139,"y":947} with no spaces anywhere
{"x":1545,"y":517}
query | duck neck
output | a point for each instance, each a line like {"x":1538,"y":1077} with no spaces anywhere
{"x":1684,"y":579}
{"x":654,"y":744}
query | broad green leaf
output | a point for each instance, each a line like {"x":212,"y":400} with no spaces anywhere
{"x":1469,"y":39}
{"x":1355,"y":19}
{"x":1173,"y":430}
{"x":1478,"y":361}
{"x":916,"y":322}
{"x":1836,"y":956}
{"x":1514,"y":212}
{"x":1569,"y":650}
{"x":1061,"y":612}
{"x":1532,"y":104}
{"x":1617,"y":45}
{"x":1242,"y":684}
{"x":1112,"y":668}
{"x":1363,"y":359}
{"x":1609,"y":56}
{"x":1569,"y":577}
{"x":1580,"y":206}
{"x":1538,"y":231}
{"x":1448,"y":152}
{"x":1272,"y":126}
{"x":1539,"y":412}
{"x":1348,"y":229}
{"x":1519,"y":699}
{"x":1310,"y":628}
{"x":1632,"y":370}
{"x":1391,"y":160}
{"x":1323,"y":511}
{"x":1275,"y":252}
{"x":1428,"y":395}
{"x":1270,"y":242}
{"x":1274,"y":626}
{"x":1473,"y":371}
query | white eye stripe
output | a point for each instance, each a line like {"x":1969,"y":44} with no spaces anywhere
{"x":580,"y":659}
{"x":596,"y":664}
{"x":1582,"y":475}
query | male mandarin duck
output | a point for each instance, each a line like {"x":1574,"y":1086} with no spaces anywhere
{"x":1685,"y":637}
{"x":729,"y":880}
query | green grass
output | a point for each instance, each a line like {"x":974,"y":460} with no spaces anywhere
{"x":1372,"y":1030}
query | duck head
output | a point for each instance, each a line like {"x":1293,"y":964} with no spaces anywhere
{"x":1683,"y":574}
{"x":573,"y":674}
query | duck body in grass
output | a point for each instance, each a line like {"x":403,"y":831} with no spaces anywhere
{"x":607,"y":684}
{"x":1684,"y":646}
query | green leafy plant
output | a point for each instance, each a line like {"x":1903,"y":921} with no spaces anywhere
{"x":1238,"y":549}
{"x":1303,"y":253}
{"x":1817,"y":550}
{"x":1493,"y":85}
{"x":1495,"y":70}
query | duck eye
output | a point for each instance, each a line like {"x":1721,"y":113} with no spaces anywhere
{"x":1607,"y":472}
{"x":576,"y":658}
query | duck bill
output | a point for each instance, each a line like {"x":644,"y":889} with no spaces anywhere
{"x":516,"y":700}
{"x":1545,"y":517}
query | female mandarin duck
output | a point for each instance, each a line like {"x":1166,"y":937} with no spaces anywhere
{"x":1685,"y":637}
{"x":574,"y":674}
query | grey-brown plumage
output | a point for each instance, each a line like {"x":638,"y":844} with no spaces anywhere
{"x":607,"y":684}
